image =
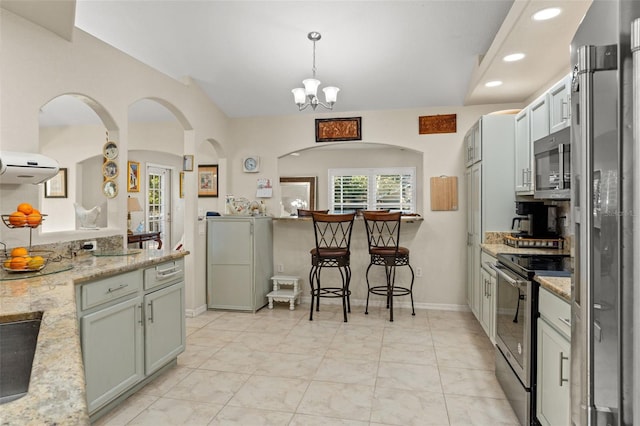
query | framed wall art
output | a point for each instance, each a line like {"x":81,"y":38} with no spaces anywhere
{"x":181,"y":184}
{"x":56,"y":187}
{"x":338,"y":129}
{"x":207,"y":180}
{"x":133,"y":176}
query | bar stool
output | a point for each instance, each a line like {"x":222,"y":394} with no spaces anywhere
{"x":333,"y":241}
{"x":383,"y":235}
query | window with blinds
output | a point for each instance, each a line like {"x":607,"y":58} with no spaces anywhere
{"x":372,"y":189}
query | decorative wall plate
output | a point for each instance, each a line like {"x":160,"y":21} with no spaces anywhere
{"x":110,"y":169}
{"x":110,"y":188}
{"x":110,"y":150}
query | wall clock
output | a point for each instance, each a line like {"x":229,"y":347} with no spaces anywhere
{"x":251,"y":164}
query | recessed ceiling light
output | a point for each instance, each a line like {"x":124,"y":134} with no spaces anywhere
{"x":494,"y":83}
{"x":513,"y":57}
{"x":544,"y":14}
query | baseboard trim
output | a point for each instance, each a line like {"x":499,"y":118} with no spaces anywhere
{"x":396,"y":303}
{"x":191,"y":313}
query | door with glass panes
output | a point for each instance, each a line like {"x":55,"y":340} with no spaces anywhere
{"x":158,"y":203}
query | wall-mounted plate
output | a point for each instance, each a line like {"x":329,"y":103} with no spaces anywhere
{"x":110,"y":169}
{"x":110,"y":150}
{"x":110,"y":188}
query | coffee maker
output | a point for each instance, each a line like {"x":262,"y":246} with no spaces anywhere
{"x":534,"y":220}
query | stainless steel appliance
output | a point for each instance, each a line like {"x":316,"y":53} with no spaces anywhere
{"x":553,"y":166}
{"x":605,"y":360}
{"x":516,"y":312}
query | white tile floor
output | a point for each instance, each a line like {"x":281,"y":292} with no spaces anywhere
{"x":278,"y":368}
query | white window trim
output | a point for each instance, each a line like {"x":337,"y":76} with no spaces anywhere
{"x":372,"y":172}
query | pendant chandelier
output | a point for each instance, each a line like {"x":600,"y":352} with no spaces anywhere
{"x":308,"y":96}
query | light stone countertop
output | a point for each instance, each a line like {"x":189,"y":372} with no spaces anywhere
{"x":57,"y":388}
{"x":560,"y":286}
{"x":494,"y":249}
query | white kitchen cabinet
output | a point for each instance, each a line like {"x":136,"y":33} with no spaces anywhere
{"x":165,"y":336}
{"x":559,"y":104}
{"x":539,"y":118}
{"x":523,"y":154}
{"x":112,"y":342}
{"x":473,"y":145}
{"x":554,"y":352}
{"x":490,"y":195}
{"x":487,"y":293}
{"x":473,"y":178}
{"x":239,"y":262}
{"x":131,"y":325}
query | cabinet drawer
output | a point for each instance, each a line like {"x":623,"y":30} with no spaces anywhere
{"x":487,"y":258}
{"x":555,"y":311}
{"x":98,"y":292}
{"x":164,"y":273}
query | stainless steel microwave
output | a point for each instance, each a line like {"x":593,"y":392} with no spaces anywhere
{"x":552,"y":156}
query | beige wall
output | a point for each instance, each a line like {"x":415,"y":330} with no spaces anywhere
{"x":38,"y":66}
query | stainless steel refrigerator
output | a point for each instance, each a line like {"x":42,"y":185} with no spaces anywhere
{"x":605,"y":201}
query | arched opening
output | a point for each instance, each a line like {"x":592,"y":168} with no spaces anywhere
{"x":74,"y":130}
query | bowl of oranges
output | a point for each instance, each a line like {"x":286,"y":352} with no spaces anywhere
{"x":24,"y":216}
{"x":22,"y":260}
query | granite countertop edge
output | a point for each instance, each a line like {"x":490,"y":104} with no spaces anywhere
{"x":57,"y":387}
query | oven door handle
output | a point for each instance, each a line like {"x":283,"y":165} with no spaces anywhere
{"x":507,"y":275}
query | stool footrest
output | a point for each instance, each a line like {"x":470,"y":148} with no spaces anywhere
{"x":384,"y":290}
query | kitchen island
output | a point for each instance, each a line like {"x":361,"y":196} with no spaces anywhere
{"x":57,"y":388}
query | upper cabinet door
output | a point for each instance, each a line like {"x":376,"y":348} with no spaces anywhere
{"x":539,"y":117}
{"x":473,"y":145}
{"x":523,"y":163}
{"x":559,"y":101}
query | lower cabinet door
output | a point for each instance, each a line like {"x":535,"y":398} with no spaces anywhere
{"x":165,"y":328}
{"x":112,"y":345}
{"x":552,"y":395}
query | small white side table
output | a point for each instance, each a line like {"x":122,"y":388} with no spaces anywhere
{"x":291,"y":295}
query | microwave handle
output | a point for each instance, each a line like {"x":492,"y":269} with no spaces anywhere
{"x":561,"y":165}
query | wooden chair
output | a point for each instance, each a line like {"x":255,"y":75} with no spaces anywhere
{"x":383,"y":235}
{"x":332,"y":250}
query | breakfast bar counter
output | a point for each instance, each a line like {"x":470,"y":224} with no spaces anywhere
{"x":57,"y":387}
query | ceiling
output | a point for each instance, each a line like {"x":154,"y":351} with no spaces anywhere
{"x":248,"y":55}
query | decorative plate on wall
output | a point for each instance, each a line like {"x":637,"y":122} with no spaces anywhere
{"x":110,"y":188}
{"x":110,"y":169}
{"x":110,"y":150}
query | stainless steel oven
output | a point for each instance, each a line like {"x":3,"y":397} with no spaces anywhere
{"x":516,"y":313}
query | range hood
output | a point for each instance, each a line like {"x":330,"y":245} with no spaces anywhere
{"x":26,"y":167}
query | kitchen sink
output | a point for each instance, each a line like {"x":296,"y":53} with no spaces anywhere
{"x":18,"y":338}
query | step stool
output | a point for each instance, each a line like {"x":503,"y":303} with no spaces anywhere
{"x":291,"y":295}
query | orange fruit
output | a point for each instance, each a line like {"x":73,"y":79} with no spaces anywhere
{"x":25,"y":208}
{"x":17,"y":219}
{"x":19,"y":263}
{"x":7,"y":264}
{"x":19,"y":252}
{"x":34,"y":219}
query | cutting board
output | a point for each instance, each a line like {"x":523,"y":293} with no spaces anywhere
{"x":444,"y":193}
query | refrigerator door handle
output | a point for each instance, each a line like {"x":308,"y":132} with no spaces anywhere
{"x":597,"y":331}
